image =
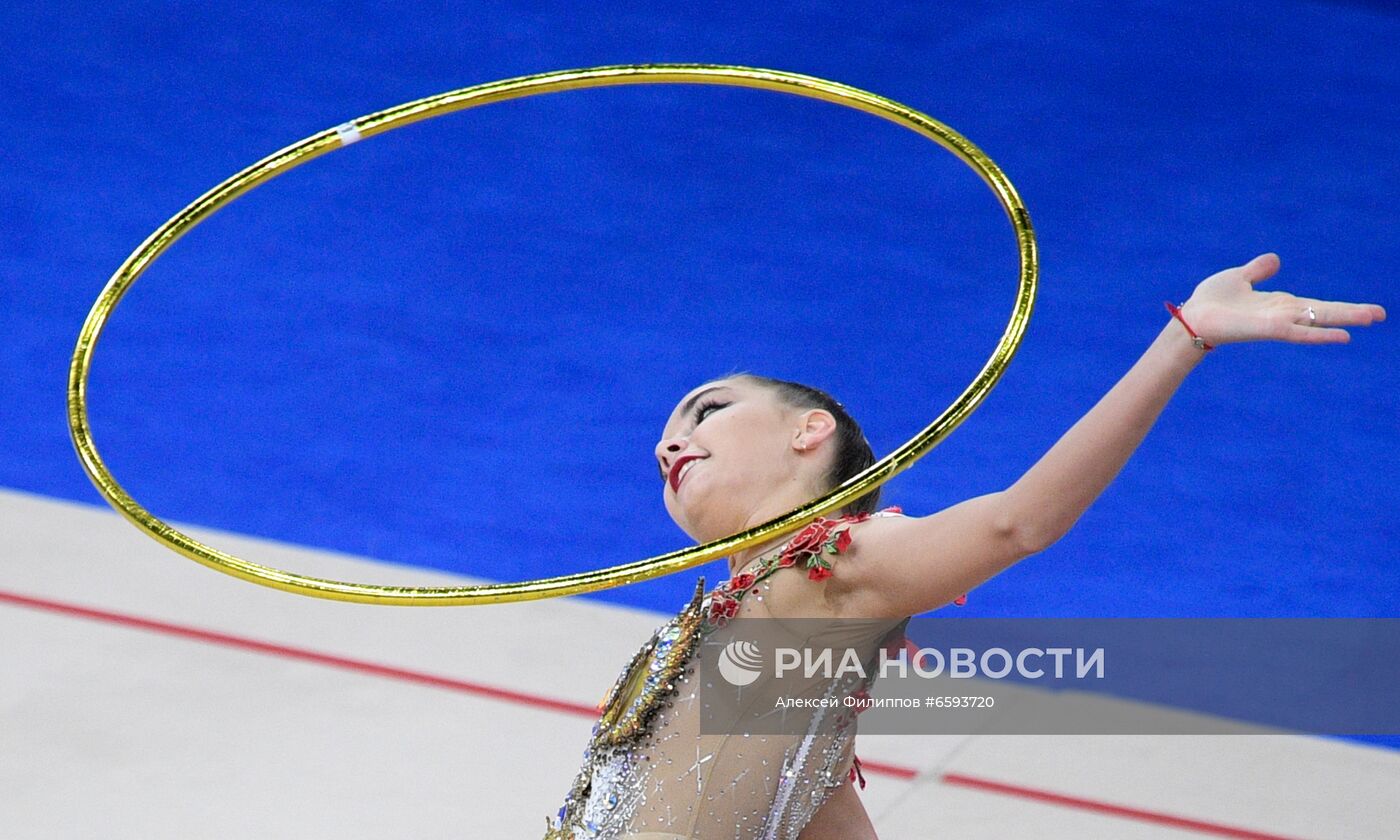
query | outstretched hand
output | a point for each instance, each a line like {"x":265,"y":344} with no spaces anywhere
{"x":1226,"y":309}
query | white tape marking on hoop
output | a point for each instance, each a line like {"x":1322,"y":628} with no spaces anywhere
{"x":348,"y":133}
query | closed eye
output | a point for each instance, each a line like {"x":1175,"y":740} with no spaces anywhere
{"x":703,"y":410}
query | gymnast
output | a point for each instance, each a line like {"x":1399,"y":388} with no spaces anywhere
{"x":745,"y":449}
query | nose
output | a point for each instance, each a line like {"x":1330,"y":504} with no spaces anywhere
{"x":667,"y":450}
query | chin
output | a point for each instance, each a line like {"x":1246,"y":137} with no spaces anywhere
{"x":705,"y":529}
{"x":708,"y":512}
{"x":686,"y":521}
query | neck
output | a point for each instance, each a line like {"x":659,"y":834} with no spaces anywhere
{"x":793,"y":494}
{"x":740,"y":559}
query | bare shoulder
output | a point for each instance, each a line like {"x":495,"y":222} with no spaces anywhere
{"x":896,"y":566}
{"x":797,"y":592}
{"x":859,"y":566}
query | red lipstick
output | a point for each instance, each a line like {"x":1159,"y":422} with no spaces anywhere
{"x":675,"y":475}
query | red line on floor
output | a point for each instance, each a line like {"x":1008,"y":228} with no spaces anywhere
{"x":1097,"y":807}
{"x":492,"y":692}
{"x":287,"y":652}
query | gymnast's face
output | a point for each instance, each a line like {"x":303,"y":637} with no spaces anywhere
{"x":733,"y":454}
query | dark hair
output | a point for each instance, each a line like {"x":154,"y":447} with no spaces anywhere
{"x":853,"y":453}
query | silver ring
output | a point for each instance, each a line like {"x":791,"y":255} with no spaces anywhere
{"x":1312,"y":317}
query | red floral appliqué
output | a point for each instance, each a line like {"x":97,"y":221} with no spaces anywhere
{"x":723,"y":606}
{"x":810,"y":549}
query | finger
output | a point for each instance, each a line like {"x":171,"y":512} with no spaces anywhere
{"x":1299,"y":334}
{"x":1261,"y":267}
{"x":1335,"y":313}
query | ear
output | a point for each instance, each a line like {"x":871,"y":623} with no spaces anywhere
{"x":814,"y":426}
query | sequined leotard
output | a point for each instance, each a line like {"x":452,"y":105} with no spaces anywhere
{"x":651,"y":773}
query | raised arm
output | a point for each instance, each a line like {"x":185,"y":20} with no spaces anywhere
{"x":905,"y":566}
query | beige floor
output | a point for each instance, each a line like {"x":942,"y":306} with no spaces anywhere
{"x":110,"y":728}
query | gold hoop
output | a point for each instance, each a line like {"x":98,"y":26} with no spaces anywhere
{"x":499,"y":91}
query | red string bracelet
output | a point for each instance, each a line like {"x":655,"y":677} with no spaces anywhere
{"x":1195,"y":339}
